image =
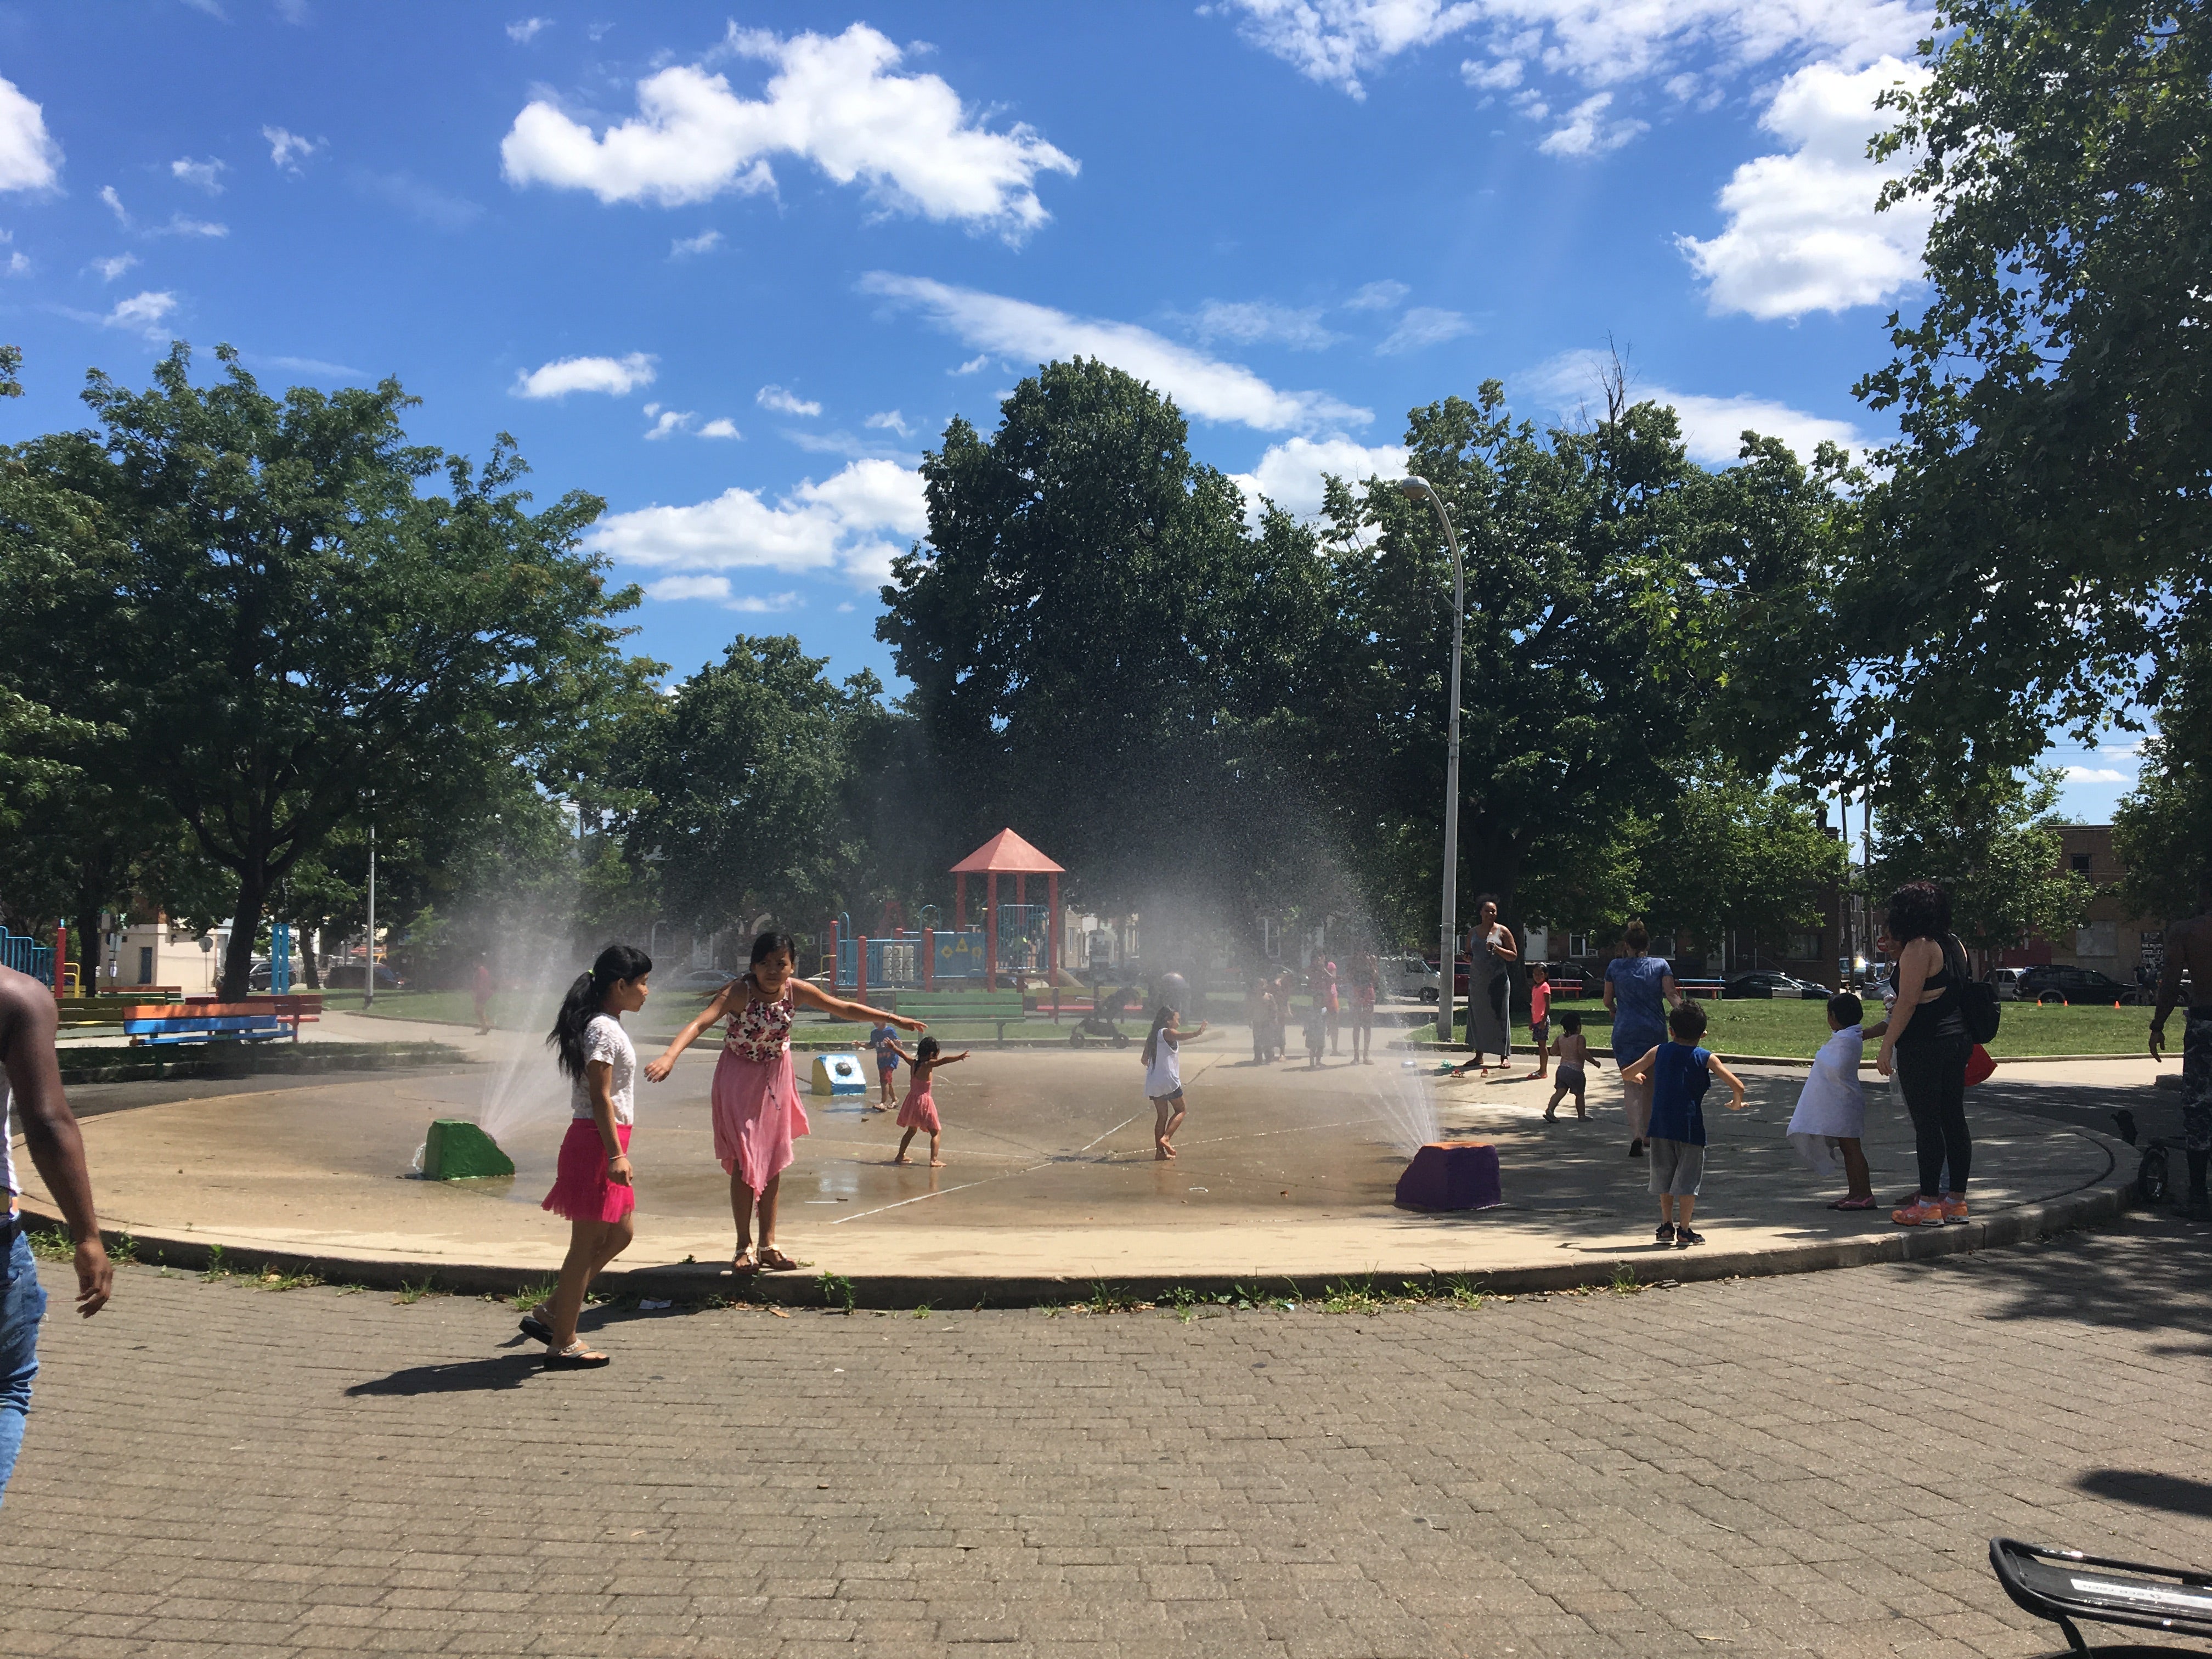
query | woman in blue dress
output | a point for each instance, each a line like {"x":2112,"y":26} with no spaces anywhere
{"x":1639,"y":989}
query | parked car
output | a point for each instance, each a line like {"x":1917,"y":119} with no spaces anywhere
{"x":1459,"y":977}
{"x":1407,"y":977}
{"x":2005,"y":982}
{"x":1773,"y":985}
{"x":708,"y":980}
{"x":2058,"y":982}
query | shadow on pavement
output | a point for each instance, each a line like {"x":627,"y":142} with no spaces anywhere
{"x":2143,"y":1490}
{"x":2144,"y":1273}
{"x":465,"y":1376}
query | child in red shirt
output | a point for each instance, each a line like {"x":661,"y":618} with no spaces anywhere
{"x":1539,"y":1018}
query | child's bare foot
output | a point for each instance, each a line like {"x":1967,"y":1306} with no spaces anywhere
{"x":1161,"y":1151}
{"x":937,"y":1163}
{"x":901,"y":1158}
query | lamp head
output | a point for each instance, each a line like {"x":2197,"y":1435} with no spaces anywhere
{"x":1413,"y":486}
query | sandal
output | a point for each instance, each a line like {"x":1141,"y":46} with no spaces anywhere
{"x":575,"y":1357}
{"x":1866,"y":1203}
{"x":745,"y":1262}
{"x":775,"y":1261}
{"x":536,"y":1329}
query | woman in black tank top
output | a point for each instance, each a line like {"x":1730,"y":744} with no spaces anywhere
{"x":1927,"y":1046}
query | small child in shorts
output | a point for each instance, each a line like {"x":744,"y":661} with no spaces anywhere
{"x":884,"y":1039}
{"x":1679,"y":1073}
{"x":1574,"y":1056}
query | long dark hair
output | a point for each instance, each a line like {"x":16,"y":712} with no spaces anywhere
{"x":927,"y":1051}
{"x":766,"y":946}
{"x":1919,"y":909}
{"x":1152,"y":1038}
{"x":566,"y":1039}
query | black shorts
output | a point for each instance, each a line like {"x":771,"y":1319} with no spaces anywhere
{"x":1541,"y":1031}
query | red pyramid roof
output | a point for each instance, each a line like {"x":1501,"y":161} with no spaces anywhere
{"x":1007,"y":853}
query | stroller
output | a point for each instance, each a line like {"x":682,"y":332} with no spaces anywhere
{"x":2065,"y":1585}
{"x":1097,"y":1025}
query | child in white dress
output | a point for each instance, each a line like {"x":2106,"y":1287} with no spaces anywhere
{"x":1830,"y":1115}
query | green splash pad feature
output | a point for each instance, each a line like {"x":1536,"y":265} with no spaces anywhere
{"x":458,"y":1149}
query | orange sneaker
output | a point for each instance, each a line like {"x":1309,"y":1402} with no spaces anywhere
{"x":1921,"y":1213}
{"x":1954,"y":1212}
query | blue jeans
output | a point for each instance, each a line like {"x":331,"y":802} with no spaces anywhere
{"x":22,"y":1305}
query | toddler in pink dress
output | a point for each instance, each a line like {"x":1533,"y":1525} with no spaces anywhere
{"x":918,"y":1110}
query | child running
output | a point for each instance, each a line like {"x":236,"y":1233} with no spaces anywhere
{"x":920,"y":1110}
{"x":592,"y":1186}
{"x":1574,"y":1055}
{"x":756,"y":1100}
{"x":1164,"y":1077}
{"x":1679,"y":1073}
{"x":884,"y":1039}
{"x":1831,"y":1114}
{"x":1540,"y":1019}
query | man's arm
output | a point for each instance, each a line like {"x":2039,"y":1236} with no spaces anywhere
{"x":2178,"y":953}
{"x":27,"y":1024}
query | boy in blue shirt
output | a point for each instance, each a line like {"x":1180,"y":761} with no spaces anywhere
{"x":884,"y":1039}
{"x":1679,"y":1073}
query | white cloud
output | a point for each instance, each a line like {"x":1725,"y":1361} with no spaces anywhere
{"x":1598,"y":43}
{"x":616,"y":376}
{"x":720,"y":427}
{"x":1377,"y":296}
{"x":760,"y":605}
{"x":689,"y":587}
{"x":1248,"y":322}
{"x":785,"y":402}
{"x":889,"y":421}
{"x":1203,"y":386}
{"x":1422,"y":327}
{"x":19,"y":264}
{"x":289,"y":149}
{"x":1588,"y":133}
{"x":1802,"y":233}
{"x":836,"y":527}
{"x":115,"y":205}
{"x":684,"y":246}
{"x":2096,"y":774}
{"x":1289,"y":474}
{"x":672,"y":421}
{"x":179,"y":225}
{"x":981,"y":360}
{"x":145,"y":313}
{"x":114,"y":265}
{"x":1713,"y":428}
{"x":29,"y":157}
{"x":439,"y":209}
{"x":524,"y":32}
{"x":200,"y":175}
{"x":1501,"y":75}
{"x":833,"y":101}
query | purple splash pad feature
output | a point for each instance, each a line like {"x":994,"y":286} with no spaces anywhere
{"x":1454,"y":1177}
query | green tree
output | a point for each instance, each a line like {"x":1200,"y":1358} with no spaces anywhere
{"x":2162,"y":827}
{"x":1728,"y":855}
{"x":2042,"y":553}
{"x":300,"y":629}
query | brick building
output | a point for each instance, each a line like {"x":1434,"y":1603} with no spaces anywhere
{"x":2109,"y":941}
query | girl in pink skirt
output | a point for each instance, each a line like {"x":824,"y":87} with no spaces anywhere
{"x":592,"y":1182}
{"x":919,"y":1111}
{"x":756,"y":1111}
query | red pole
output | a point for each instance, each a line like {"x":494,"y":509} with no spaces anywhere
{"x":61,"y":957}
{"x":991,"y":931}
{"x":1052,"y":937}
{"x":1021,"y":888}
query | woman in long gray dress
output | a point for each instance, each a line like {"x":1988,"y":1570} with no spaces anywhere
{"x":1489,"y":984}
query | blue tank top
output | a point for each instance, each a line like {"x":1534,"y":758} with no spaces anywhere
{"x":1679,"y":1077}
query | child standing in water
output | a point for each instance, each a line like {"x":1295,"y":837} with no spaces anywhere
{"x":1364,"y":972}
{"x":1162,"y":1059}
{"x":1316,"y":1028}
{"x":919,"y":1111}
{"x":756,"y":1111}
{"x":591,"y":1185}
{"x":1679,"y":1073}
{"x":1574,"y":1055}
{"x":885,"y":1041}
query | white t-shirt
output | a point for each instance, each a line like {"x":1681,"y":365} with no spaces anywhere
{"x":605,"y":1039}
{"x":1164,"y":1077}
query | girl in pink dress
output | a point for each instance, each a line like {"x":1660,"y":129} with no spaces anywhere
{"x":756,"y":1111}
{"x":919,"y":1111}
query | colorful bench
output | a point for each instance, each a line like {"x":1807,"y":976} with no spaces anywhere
{"x":204,"y":1019}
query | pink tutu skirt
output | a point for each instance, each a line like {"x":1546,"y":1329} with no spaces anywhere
{"x":581,"y":1191}
{"x":919,"y":1111}
{"x":756,"y":1116}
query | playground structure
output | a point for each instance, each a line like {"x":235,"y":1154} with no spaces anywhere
{"x":1016,"y":941}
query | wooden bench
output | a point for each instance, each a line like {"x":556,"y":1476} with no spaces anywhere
{"x":1000,"y":1008}
{"x":204,"y":1019}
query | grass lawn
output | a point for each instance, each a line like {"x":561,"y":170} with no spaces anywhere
{"x":661,"y":1017}
{"x":1796,"y":1030}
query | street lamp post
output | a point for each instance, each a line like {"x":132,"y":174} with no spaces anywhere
{"x":1447,"y":960}
{"x":368,"y":980}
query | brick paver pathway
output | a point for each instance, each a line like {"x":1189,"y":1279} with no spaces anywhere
{"x":1780,"y":1466}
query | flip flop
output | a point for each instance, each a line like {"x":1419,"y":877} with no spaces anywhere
{"x":536,"y":1329}
{"x":577,"y":1357}
{"x":1852,"y":1204}
{"x":775,"y":1261}
{"x":744,"y":1263}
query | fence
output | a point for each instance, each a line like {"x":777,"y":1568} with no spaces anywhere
{"x":898,"y":963}
{"x":1023,"y":931}
{"x":27,"y":955}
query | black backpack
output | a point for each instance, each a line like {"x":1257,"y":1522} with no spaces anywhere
{"x":1977,"y":999}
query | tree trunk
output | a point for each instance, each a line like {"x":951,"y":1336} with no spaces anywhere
{"x":310,"y":940}
{"x":89,"y":900}
{"x":238,"y":955}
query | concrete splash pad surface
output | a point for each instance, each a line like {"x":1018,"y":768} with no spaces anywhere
{"x":1050,"y":1175}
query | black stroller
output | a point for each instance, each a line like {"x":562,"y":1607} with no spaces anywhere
{"x":1097,"y":1025}
{"x":2064,"y":1586}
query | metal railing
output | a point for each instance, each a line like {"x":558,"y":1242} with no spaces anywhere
{"x":27,"y":955}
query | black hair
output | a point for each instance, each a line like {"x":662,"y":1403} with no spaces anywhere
{"x":1919,"y":909}
{"x":1686,"y":1021}
{"x":926,"y":1050}
{"x":1636,"y":936}
{"x":1481,"y":899}
{"x":1539,"y":970}
{"x":585,"y":998}
{"x":766,"y":944}
{"x":1571,"y":1020}
{"x":1152,"y":1037}
{"x":1846,"y":1010}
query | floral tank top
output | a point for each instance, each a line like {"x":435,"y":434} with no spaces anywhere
{"x":761,"y":1030}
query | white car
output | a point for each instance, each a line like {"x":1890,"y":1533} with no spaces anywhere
{"x":1410,"y":976}
{"x":2006,"y":981}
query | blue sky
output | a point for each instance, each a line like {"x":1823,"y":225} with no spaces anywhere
{"x":733,"y":271}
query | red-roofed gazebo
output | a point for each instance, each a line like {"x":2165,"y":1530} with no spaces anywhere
{"x":1007,"y":853}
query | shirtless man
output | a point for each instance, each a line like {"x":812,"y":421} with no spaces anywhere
{"x":32,"y":1084}
{"x":2189,"y":950}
